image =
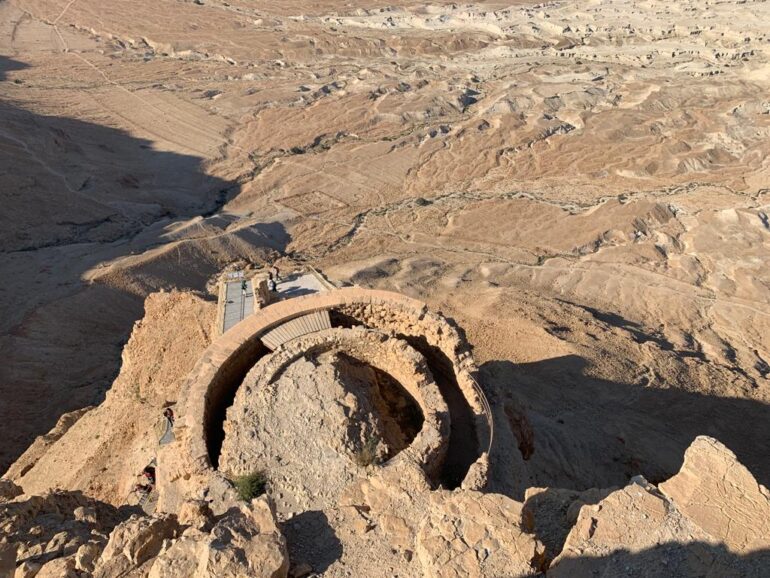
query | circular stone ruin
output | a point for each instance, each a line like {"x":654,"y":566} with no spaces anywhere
{"x":318,"y":409}
{"x":382,"y":379}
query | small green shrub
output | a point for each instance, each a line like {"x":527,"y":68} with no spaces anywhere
{"x":367,"y":455}
{"x":250,"y":486}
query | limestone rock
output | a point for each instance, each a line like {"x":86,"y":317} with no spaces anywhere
{"x":391,"y":501}
{"x":478,"y":474}
{"x":552,"y":512}
{"x":99,"y":451}
{"x":472,"y":534}
{"x":27,"y":569}
{"x":460,"y":533}
{"x":86,"y":556}
{"x":133,"y":543}
{"x":195,"y":513}
{"x":86,"y":514}
{"x":55,"y":525}
{"x":244,"y":542}
{"x":43,"y":443}
{"x":9,"y":490}
{"x":59,"y":568}
{"x":638,"y":531}
{"x":59,"y":533}
{"x":623,"y":526}
{"x":721,"y":496}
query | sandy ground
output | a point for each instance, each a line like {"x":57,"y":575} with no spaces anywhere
{"x":582,"y":185}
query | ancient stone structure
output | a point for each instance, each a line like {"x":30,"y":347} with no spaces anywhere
{"x":421,"y":350}
{"x":394,"y":357}
{"x":402,"y":514}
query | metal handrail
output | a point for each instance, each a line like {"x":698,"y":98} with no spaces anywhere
{"x":487,"y":410}
{"x":321,"y":277}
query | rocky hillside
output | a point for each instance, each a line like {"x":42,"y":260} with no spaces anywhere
{"x":100,"y":451}
{"x":580,"y":185}
{"x":711,"y":515}
{"x":66,"y":507}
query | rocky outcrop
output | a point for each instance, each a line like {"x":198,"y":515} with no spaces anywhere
{"x":134,"y":544}
{"x":59,"y":568}
{"x":612,"y":534}
{"x":466,"y":533}
{"x":68,"y":535}
{"x":719,"y":494}
{"x":101,"y":451}
{"x":550,"y":513}
{"x":9,"y":490}
{"x":54,"y":525}
{"x":244,"y":542}
{"x":711,"y":518}
{"x":451,"y":534}
{"x":43,"y":443}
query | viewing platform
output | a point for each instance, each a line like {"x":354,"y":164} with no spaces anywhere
{"x":241,"y":293}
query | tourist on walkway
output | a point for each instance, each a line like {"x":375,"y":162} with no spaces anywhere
{"x":168,"y":413}
{"x":149,"y":475}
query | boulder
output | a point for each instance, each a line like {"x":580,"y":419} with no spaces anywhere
{"x":710,"y":519}
{"x":615,"y":536}
{"x":59,"y":568}
{"x":195,"y":513}
{"x":719,"y":494}
{"x":552,"y":512}
{"x":27,"y":569}
{"x":9,"y":490}
{"x":86,"y":556}
{"x":134,"y":542}
{"x":245,"y":541}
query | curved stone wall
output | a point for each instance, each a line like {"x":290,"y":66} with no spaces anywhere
{"x":390,"y":355}
{"x":211,"y":386}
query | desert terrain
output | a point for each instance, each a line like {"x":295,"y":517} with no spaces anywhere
{"x":581,"y":186}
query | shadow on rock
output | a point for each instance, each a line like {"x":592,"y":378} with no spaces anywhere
{"x":274,"y":235}
{"x":8,"y":65}
{"x":311,"y":540}
{"x":667,"y":561}
{"x":557,"y":426}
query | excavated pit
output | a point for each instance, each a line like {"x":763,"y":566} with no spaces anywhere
{"x":222,"y":393}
